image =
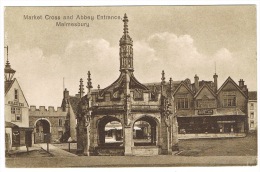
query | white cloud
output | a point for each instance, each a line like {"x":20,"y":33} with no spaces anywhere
{"x":41,"y":76}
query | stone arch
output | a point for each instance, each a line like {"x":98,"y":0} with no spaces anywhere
{"x":101,"y":124}
{"x":43,"y":119}
{"x":42,"y":130}
{"x":152,"y":131}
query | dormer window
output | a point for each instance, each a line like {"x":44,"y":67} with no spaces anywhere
{"x":15,"y":94}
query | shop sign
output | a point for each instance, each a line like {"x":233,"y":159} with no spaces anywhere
{"x":15,"y":103}
{"x":205,"y":112}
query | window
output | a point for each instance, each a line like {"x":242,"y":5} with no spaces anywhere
{"x":252,"y":124}
{"x":60,"y":122}
{"x":229,"y":99}
{"x":252,"y":115}
{"x":251,"y":106}
{"x":16,"y":110}
{"x":16,"y":113}
{"x":18,"y":117}
{"x":12,"y":110}
{"x":15,"y":94}
{"x":182,"y":103}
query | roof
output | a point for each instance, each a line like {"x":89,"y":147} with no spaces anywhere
{"x":209,"y":88}
{"x":252,"y":95}
{"x":8,"y":85}
{"x":120,"y":84}
{"x":74,"y":102}
{"x":229,"y":79}
{"x":10,"y":125}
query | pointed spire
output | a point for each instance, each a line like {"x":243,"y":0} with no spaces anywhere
{"x":170,"y":83}
{"x":126,"y":49}
{"x":163,"y":77}
{"x":89,"y":84}
{"x":81,"y":88}
{"x":125,"y":20}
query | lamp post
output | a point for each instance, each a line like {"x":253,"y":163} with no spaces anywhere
{"x":69,"y":141}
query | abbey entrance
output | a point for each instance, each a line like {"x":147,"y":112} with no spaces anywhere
{"x":127,"y":117}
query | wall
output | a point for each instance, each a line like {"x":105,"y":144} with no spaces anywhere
{"x":51,"y":116}
{"x":20,"y":102}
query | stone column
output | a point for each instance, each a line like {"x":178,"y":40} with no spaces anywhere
{"x":128,"y":140}
{"x":87,"y":141}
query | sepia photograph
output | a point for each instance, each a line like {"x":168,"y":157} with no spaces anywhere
{"x":130,"y":86}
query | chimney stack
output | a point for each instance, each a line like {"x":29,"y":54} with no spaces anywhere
{"x":66,"y":94}
{"x":215,"y":76}
{"x":196,"y":82}
{"x":241,"y":83}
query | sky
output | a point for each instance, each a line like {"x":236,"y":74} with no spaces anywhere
{"x":181,"y":40}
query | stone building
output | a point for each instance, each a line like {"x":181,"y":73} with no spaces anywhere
{"x":252,"y":111}
{"x":204,"y":110}
{"x":126,"y":101}
{"x":55,"y":125}
{"x":17,"y":131}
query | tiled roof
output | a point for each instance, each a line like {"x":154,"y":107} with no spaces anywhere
{"x":252,"y":95}
{"x":74,"y":103}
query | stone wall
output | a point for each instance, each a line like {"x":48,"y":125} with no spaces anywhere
{"x":56,"y":119}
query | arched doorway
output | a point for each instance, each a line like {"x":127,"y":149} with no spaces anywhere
{"x":42,"y":131}
{"x":145,"y":131}
{"x":110,"y":132}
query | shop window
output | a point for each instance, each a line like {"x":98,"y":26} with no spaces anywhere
{"x":252,"y":124}
{"x":252,"y":115}
{"x":60,"y":122}
{"x":229,"y":99}
{"x":16,"y":94}
{"x":182,"y":103}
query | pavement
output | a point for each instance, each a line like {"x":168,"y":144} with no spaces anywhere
{"x":61,"y":158}
{"x":130,"y":161}
{"x":55,"y":151}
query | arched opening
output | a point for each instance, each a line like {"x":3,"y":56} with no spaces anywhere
{"x":42,"y":131}
{"x":145,"y":131}
{"x":110,"y":132}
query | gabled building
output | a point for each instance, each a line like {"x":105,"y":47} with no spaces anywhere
{"x":203,"y":110}
{"x":17,"y":131}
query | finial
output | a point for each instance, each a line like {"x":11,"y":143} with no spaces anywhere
{"x":125,"y":20}
{"x":170,"y":83}
{"x":7,"y":61}
{"x":81,"y":88}
{"x":163,"y":77}
{"x":89,"y":86}
{"x":98,"y":87}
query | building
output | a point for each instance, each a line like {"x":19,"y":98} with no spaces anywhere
{"x":252,"y":111}
{"x":17,"y":131}
{"x":54,"y":126}
{"x":128,"y":102}
{"x":204,"y":110}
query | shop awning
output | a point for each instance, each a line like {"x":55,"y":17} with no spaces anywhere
{"x":10,"y":125}
{"x":226,"y":112}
